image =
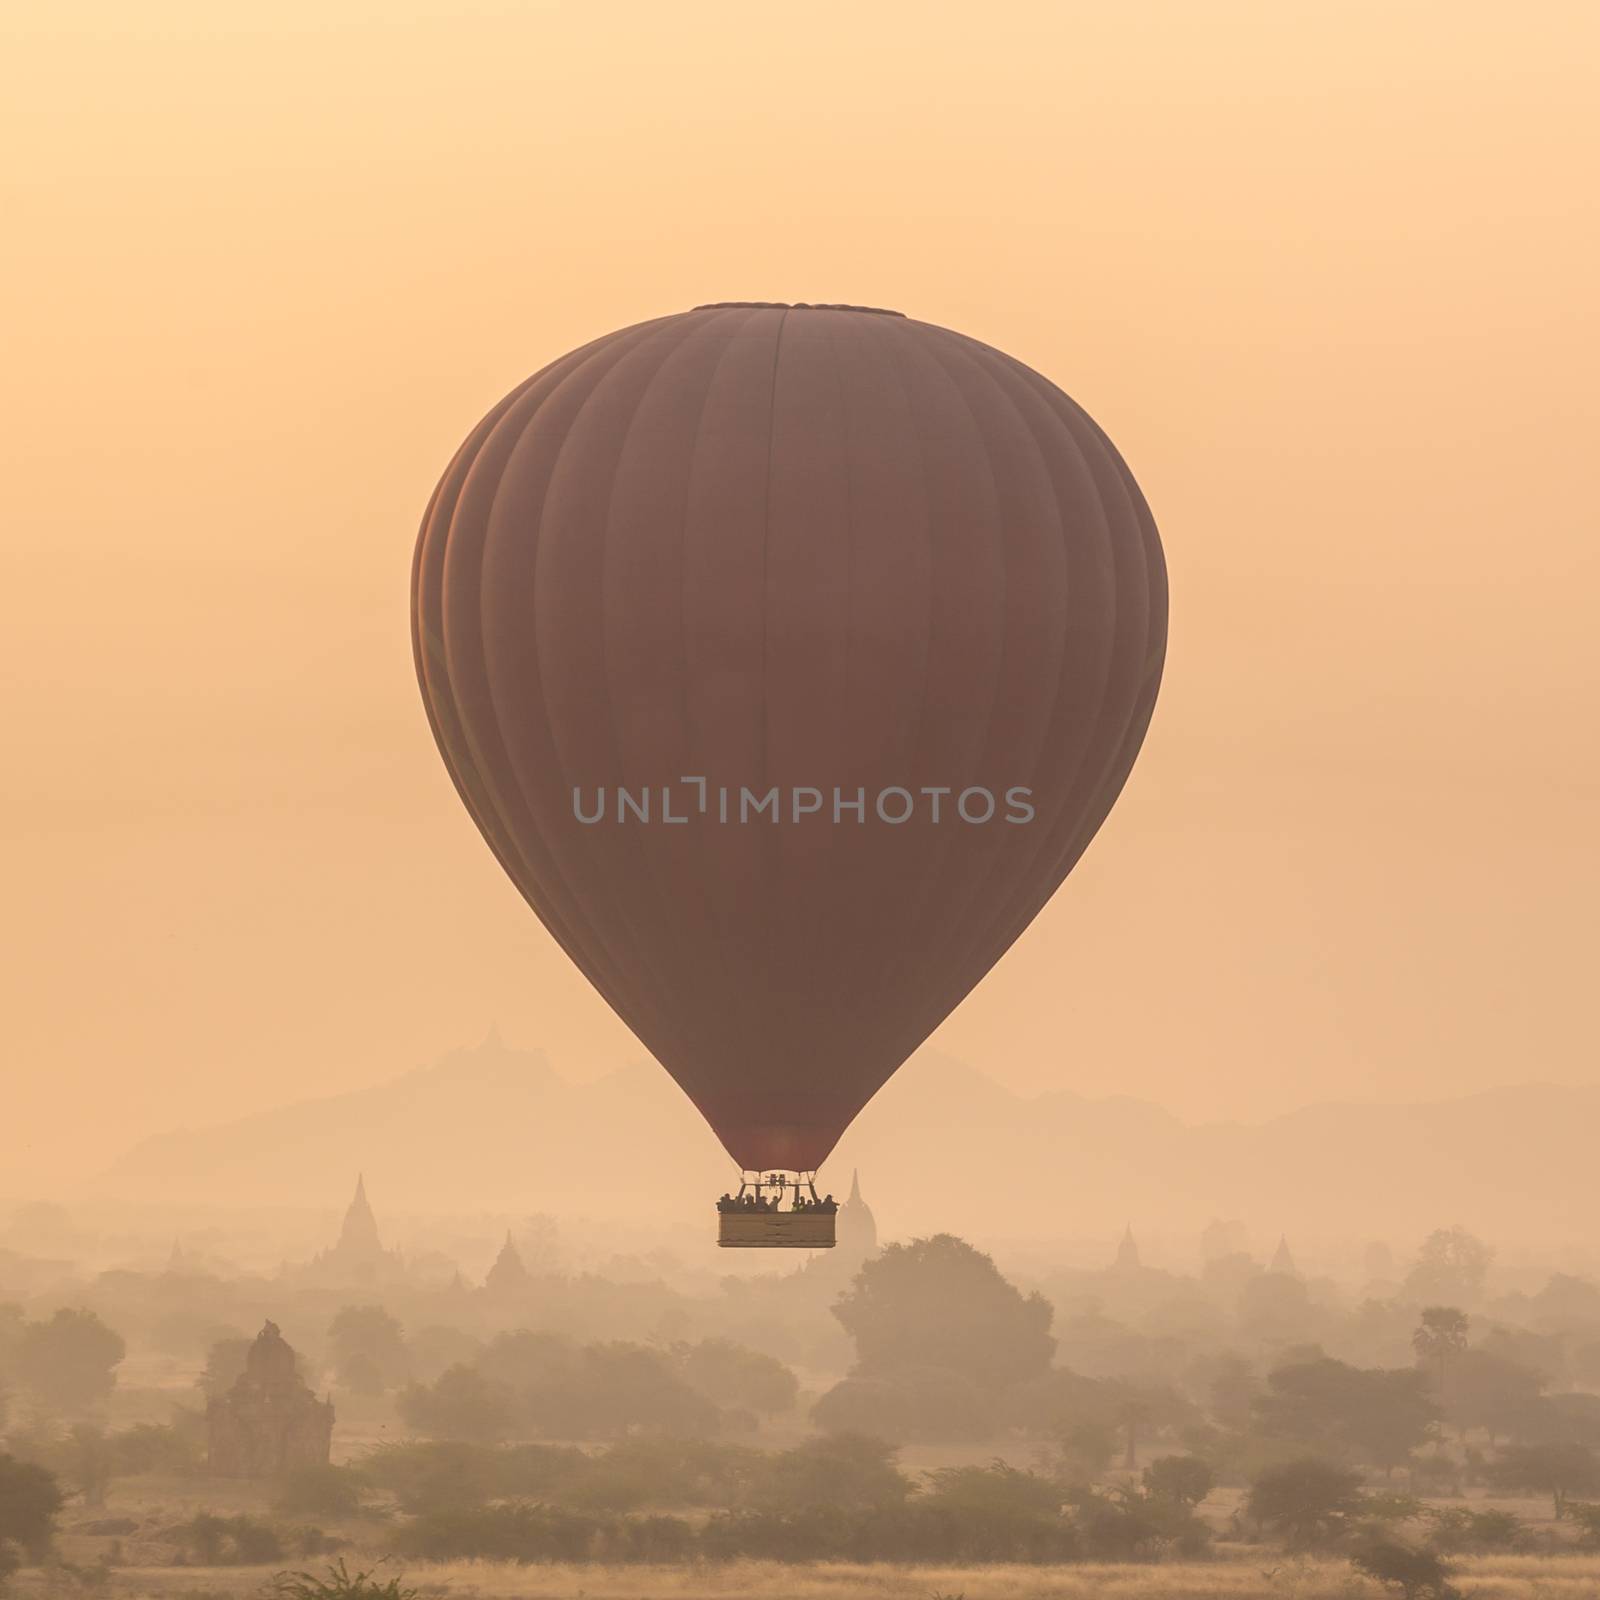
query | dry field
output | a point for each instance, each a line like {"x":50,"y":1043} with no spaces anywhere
{"x":1253,"y":1577}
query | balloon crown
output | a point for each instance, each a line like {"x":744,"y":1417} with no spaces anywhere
{"x":797,"y":305}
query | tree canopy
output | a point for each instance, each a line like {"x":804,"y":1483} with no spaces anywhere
{"x":938,"y":1302}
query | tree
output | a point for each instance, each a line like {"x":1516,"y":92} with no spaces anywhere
{"x":319,"y":1491}
{"x":1086,"y":1448}
{"x":1232,"y":1392}
{"x":1450,"y":1268}
{"x":541,"y":1364}
{"x":939,"y":1303}
{"x":177,"y":1446}
{"x":436,"y":1347}
{"x":13,"y":1324}
{"x":1492,"y":1392}
{"x":1415,"y":1573}
{"x":1308,"y":1502}
{"x":87,"y":1459}
{"x":1375,"y":1414}
{"x":369,"y":1349}
{"x":734,"y":1375}
{"x":70,"y":1361}
{"x":841,"y":1470}
{"x":1441,"y":1336}
{"x":624,"y":1386}
{"x":29,"y":1501}
{"x":1133,"y":1412}
{"x":1566,"y":1419}
{"x":927,"y":1404}
{"x":462,"y":1404}
{"x":1558,"y":1470}
{"x":1183,"y":1480}
{"x":225,"y":1364}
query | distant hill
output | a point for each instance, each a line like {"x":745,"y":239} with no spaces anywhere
{"x":943,"y":1146}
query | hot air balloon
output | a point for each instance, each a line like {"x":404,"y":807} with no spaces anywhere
{"x":788,"y":658}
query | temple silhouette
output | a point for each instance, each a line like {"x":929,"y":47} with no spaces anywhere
{"x":269,"y":1422}
{"x":357,"y":1259}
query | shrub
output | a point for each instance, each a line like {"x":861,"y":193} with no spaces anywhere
{"x":935,"y":1404}
{"x":30,"y":1497}
{"x":733,"y":1375}
{"x":1124,"y":1525}
{"x":437,"y":1475}
{"x":1415,"y":1573}
{"x":1582,"y":1512}
{"x":1457,"y":1529}
{"x":993,"y":1513}
{"x":462,"y":1405}
{"x":1182,"y":1480}
{"x":319,"y":1491}
{"x":1309,"y":1502}
{"x":238,"y":1541}
{"x":654,"y":1470}
{"x":844,"y":1470}
{"x":525,"y":1533}
{"x":177,"y":1446}
{"x":339,"y":1584}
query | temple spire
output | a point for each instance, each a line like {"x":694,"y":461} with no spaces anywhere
{"x":508,"y":1274}
{"x":359,"y":1235}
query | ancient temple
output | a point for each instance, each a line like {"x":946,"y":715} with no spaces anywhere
{"x":1127,"y":1253}
{"x":269,"y":1422}
{"x":357,"y":1258}
{"x":508,"y":1276}
{"x":857,"y":1229}
{"x":856,"y":1243}
{"x":1282,"y":1261}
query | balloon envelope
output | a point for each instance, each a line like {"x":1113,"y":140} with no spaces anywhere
{"x":702,"y":605}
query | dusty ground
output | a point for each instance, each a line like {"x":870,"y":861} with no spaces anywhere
{"x":144,"y":1566}
{"x":1485,"y":1578}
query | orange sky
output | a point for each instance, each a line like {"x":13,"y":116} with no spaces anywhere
{"x":1325,"y":272}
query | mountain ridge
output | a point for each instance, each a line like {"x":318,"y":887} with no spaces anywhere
{"x":489,"y":1126}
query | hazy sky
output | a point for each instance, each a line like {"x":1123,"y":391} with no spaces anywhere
{"x":1325,"y":272}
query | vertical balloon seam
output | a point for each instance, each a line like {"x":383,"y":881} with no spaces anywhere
{"x":890,"y":971}
{"x":868,"y":348}
{"x":819,"y":878}
{"x":885,"y":347}
{"x":922,"y":352}
{"x":549,"y":881}
{"x":1122,"y":750}
{"x":1069,"y":802}
{"x":974,"y":970}
{"x":599,"y":870}
{"x":494,"y":458}
{"x":668,"y":1042}
{"x":966,"y":880}
{"x":545,"y":896}
{"x":692,"y":1046}
{"x":752,"y":321}
{"x":790,"y":877}
{"x":1155,"y":557}
{"x":769,"y":850}
{"x":898,"y":1044}
{"x":428,"y":641}
{"x":1001,"y":884}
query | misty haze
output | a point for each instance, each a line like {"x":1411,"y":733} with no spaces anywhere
{"x":800,"y":805}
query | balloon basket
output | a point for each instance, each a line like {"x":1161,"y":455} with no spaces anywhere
{"x":776,"y":1211}
{"x":775,"y":1230}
